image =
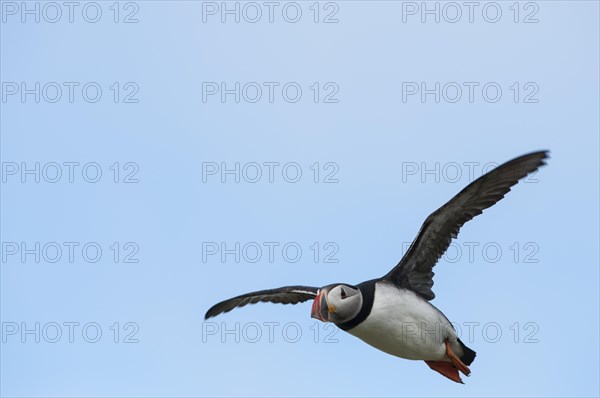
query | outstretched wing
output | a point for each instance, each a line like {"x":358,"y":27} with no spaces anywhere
{"x":415,"y":269}
{"x":283,"y":295}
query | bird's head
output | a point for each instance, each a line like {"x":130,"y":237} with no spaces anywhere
{"x":337,"y":303}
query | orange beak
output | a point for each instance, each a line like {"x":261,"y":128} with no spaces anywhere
{"x":320,"y":308}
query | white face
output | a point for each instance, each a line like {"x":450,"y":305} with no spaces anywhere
{"x":344,"y":303}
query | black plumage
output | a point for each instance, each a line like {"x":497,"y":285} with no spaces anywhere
{"x":415,"y":269}
{"x":283,"y":295}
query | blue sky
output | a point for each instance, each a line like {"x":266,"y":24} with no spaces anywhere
{"x":367,"y":120}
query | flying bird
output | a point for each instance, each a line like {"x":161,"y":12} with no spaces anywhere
{"x":393,"y":313}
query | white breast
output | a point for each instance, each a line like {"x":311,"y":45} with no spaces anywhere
{"x":404,"y":325}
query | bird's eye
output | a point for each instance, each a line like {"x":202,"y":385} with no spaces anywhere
{"x":343,"y":294}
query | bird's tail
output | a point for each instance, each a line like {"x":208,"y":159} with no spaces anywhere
{"x":468,"y":354}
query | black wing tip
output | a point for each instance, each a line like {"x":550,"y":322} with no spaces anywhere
{"x":542,"y":154}
{"x":217,"y":309}
{"x":542,"y":157}
{"x":221,"y":308}
{"x":546,"y":153}
{"x":211,"y":313}
{"x":525,"y":164}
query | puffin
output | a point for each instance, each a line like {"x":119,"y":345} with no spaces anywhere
{"x":394,"y":313}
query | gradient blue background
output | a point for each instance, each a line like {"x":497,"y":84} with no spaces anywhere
{"x":368,"y":213}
